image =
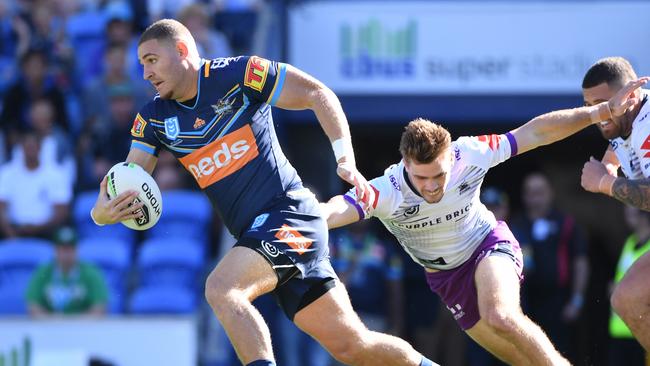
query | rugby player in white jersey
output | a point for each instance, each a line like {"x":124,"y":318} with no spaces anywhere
{"x":629,"y":137}
{"x":430,"y":202}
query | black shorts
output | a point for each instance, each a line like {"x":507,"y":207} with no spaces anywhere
{"x":292,"y":236}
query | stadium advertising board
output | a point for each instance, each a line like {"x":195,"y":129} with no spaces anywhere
{"x":129,"y":341}
{"x":458,"y":48}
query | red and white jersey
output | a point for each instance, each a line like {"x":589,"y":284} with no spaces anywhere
{"x":441,"y":235}
{"x":633,"y":153}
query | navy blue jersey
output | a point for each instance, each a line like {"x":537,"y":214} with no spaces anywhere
{"x":226,"y":140}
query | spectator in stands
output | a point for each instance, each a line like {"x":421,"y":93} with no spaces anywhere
{"x":14,"y":42}
{"x":238,"y":19}
{"x":159,"y":9}
{"x":556,"y":264}
{"x":34,"y":198}
{"x":48,"y":34}
{"x":209,"y":41}
{"x":103,"y":143}
{"x":56,"y":147}
{"x":119,"y":30}
{"x":33,"y":83}
{"x":623,"y":348}
{"x":114,"y":73}
{"x":67,"y":286}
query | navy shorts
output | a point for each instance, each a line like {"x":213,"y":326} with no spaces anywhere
{"x":292,"y":236}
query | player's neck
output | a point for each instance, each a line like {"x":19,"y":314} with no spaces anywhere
{"x":191,"y":87}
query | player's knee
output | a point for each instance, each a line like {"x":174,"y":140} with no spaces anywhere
{"x":501,"y":320}
{"x":218,"y":294}
{"x":348,"y":349}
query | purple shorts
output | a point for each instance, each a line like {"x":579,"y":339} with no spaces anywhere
{"x":457,"y":288}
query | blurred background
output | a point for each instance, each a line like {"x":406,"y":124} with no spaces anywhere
{"x":72,"y":293}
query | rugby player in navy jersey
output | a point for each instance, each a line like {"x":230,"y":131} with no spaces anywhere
{"x":215,"y":117}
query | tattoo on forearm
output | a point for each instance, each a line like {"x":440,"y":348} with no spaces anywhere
{"x":633,"y":192}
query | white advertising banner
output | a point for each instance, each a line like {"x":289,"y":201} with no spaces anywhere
{"x":457,"y":48}
{"x":121,"y":341}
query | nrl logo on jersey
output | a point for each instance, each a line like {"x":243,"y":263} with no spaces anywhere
{"x":172,"y":128}
{"x":223,"y":107}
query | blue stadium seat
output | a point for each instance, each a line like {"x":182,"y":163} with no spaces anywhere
{"x":87,"y":32}
{"x":185,"y":213}
{"x":20,"y":257}
{"x":87,"y":228}
{"x":162,"y":300}
{"x":113,"y":258}
{"x":174,"y":261}
{"x":12,"y":301}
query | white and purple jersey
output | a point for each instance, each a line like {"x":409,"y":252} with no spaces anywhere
{"x":441,"y":235}
{"x":633,"y":153}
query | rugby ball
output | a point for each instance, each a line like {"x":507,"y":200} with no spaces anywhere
{"x":130,"y":176}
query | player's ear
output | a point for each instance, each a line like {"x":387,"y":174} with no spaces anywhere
{"x":181,"y":48}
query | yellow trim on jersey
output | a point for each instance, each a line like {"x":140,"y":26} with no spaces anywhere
{"x":155,"y":120}
{"x":231,"y":90}
{"x":206,"y":69}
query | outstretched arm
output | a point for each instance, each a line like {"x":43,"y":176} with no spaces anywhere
{"x":302,"y":91}
{"x":339,"y":212}
{"x":554,"y":126}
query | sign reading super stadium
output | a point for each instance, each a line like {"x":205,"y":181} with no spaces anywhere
{"x":456,"y":48}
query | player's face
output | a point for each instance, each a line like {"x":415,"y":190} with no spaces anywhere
{"x":598,"y":94}
{"x":431,"y":179}
{"x":163,"y":67}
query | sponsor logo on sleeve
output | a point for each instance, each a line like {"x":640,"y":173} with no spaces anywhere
{"x":222,"y":157}
{"x":456,"y":153}
{"x":492,"y":140}
{"x":394,"y":182}
{"x":138,"y":126}
{"x":293,"y":238}
{"x":257,"y":70}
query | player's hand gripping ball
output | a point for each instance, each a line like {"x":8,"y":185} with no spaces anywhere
{"x":130,"y":176}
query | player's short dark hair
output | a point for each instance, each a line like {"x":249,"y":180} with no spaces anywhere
{"x":163,"y":29}
{"x":423,"y":141}
{"x":614,"y":71}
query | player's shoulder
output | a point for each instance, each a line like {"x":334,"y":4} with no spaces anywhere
{"x":392,"y":181}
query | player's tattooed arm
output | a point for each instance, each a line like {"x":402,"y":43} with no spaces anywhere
{"x":633,"y":192}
